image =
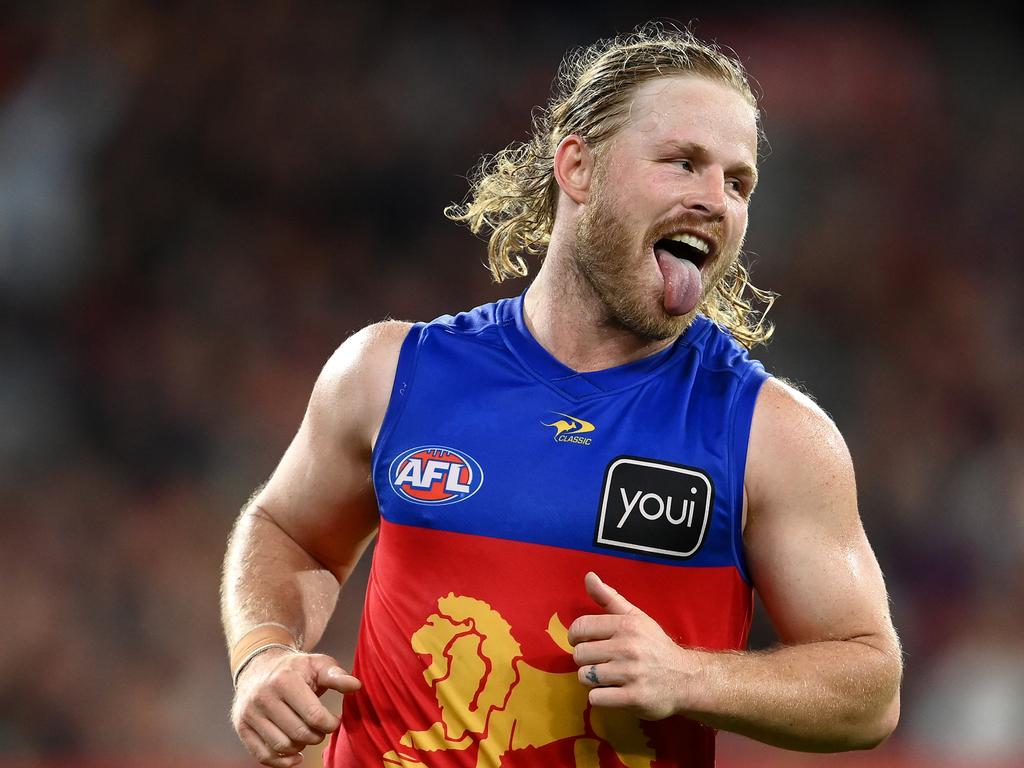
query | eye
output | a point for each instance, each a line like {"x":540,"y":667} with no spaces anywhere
{"x":686,"y":165}
{"x":737,"y":186}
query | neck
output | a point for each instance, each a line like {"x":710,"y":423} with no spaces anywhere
{"x":566,"y":317}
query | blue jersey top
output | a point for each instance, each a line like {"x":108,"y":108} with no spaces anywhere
{"x":503,"y":476}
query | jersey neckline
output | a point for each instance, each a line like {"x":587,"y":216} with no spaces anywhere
{"x":576,"y":384}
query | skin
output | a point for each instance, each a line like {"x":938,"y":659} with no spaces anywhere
{"x":652,"y":178}
{"x":296,"y":543}
{"x":686,"y":158}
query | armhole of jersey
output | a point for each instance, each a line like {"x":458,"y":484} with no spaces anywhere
{"x":742,"y":415}
{"x":400,"y":388}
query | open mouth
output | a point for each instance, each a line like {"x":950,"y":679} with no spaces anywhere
{"x":686,"y":246}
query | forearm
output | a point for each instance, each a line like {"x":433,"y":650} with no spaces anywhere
{"x":269,"y":578}
{"x":819,"y":697}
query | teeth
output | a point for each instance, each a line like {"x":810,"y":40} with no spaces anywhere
{"x":691,"y":240}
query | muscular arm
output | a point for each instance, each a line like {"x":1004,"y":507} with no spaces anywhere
{"x":300,"y":536}
{"x":833,"y":684}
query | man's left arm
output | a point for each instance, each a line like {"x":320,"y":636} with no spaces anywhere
{"x":833,"y":684}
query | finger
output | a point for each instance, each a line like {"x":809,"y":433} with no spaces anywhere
{"x":285,"y":761}
{"x":338,"y":679}
{"x":293,"y":726}
{"x":610,"y":697}
{"x":600,"y":627}
{"x":606,"y":597}
{"x":593,"y":652}
{"x":273,"y":737}
{"x":262,"y":753}
{"x":304,"y":703}
{"x":601,"y":675}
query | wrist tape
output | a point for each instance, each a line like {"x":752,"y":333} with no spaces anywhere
{"x":260,"y":638}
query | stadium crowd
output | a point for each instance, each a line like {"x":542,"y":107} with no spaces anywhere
{"x":199,"y":201}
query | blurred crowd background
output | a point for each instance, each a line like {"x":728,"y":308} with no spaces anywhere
{"x":200,"y":200}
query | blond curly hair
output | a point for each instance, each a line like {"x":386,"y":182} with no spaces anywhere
{"x":513,"y":193}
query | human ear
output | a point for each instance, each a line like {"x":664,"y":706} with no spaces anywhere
{"x":574,"y":167}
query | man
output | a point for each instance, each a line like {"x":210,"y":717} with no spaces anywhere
{"x":574,"y":490}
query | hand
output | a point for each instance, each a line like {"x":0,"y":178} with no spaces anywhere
{"x":627,"y":659}
{"x":277,"y":711}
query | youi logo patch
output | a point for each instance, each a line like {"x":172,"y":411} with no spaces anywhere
{"x":653,"y":506}
{"x":435,"y":474}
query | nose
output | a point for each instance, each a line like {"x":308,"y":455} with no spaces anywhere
{"x":706,"y":194}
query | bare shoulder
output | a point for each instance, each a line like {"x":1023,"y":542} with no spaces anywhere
{"x":784,"y":412}
{"x":356,"y":381}
{"x":320,"y":494}
{"x":794,"y":445}
{"x":368,"y":355}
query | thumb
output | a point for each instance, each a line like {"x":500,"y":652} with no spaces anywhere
{"x":606,"y":597}
{"x":330,"y":675}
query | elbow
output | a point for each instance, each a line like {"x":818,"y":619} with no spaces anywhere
{"x":863,"y":733}
{"x":880,"y":715}
{"x":885,"y":724}
{"x":886,"y":715}
{"x":884,"y":718}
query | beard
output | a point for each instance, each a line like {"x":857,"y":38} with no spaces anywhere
{"x":613,"y":258}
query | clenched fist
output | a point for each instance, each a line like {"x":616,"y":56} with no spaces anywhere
{"x":277,"y":711}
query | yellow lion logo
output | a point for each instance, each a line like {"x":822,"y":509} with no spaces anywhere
{"x":490,"y":696}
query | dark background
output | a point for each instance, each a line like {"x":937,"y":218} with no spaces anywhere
{"x":200,"y":200}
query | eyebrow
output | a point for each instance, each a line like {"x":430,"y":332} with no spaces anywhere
{"x":701,"y":152}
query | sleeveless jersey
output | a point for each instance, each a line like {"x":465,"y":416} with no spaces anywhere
{"x":503,"y":477}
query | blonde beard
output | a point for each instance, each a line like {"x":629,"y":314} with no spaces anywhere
{"x":602,"y":245}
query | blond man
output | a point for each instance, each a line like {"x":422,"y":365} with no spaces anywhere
{"x":575,"y":491}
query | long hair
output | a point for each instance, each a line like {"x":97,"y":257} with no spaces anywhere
{"x":513,"y":193}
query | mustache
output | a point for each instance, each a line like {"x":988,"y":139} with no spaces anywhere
{"x":691,"y":223}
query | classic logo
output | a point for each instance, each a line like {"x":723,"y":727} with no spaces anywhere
{"x":653,"y":506}
{"x":569,"y":429}
{"x":434,"y":474}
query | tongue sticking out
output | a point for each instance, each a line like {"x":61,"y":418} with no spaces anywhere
{"x":682,"y":283}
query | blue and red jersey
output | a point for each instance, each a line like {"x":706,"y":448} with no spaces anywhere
{"x":503,"y":477}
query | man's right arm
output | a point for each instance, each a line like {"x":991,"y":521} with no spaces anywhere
{"x":296,"y":543}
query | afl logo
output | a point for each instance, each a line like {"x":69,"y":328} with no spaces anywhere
{"x":435,"y":475}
